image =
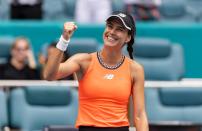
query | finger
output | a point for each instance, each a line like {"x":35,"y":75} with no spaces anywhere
{"x":70,"y":27}
{"x":68,"y":31}
{"x":67,"y":25}
{"x":73,"y":25}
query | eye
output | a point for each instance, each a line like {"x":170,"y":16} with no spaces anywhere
{"x":120,"y":29}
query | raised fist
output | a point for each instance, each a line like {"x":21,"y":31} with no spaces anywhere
{"x":68,"y":30}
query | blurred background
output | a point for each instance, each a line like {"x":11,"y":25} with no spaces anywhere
{"x":168,"y":44}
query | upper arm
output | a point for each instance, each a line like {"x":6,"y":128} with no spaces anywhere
{"x":140,"y":116}
{"x":71,"y":65}
{"x":138,"y":89}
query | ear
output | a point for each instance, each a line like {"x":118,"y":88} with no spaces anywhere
{"x":128,"y":38}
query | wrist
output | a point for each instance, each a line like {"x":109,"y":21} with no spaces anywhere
{"x":62,"y":43}
{"x":64,"y":38}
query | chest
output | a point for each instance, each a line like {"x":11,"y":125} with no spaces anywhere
{"x":108,"y":84}
{"x":12,"y":73}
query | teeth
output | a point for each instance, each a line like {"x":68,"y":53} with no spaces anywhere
{"x":110,"y":38}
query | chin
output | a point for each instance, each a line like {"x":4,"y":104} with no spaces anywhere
{"x":21,"y":60}
{"x":107,"y":43}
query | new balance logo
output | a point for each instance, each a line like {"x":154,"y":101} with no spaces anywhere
{"x":109,"y":76}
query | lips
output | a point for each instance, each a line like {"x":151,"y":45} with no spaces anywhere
{"x":111,"y":39}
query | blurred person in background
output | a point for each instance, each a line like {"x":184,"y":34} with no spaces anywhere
{"x":92,"y":11}
{"x":48,"y":49}
{"x":143,"y":10}
{"x":26,"y":9}
{"x":21,"y":64}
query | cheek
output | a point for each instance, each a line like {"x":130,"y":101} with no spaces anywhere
{"x":24,"y":53}
{"x":123,"y":43}
{"x":21,"y":54}
{"x":126,"y":38}
{"x":123,"y":38}
{"x":105,"y":32}
{"x":14,"y":53}
{"x":104,"y":35}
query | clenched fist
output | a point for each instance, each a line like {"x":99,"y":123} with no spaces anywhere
{"x":68,"y":30}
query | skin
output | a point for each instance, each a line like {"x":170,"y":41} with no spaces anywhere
{"x":114,"y":37}
{"x":20,"y":54}
{"x":42,"y":58}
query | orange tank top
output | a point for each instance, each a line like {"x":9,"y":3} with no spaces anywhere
{"x":104,"y":95}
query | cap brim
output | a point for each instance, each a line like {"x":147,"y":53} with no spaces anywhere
{"x":123,"y":22}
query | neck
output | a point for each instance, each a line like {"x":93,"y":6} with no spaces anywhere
{"x":111,"y":56}
{"x":18,"y":65}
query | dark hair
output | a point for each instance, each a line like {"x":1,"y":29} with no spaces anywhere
{"x":130,"y":48}
{"x":131,"y":42}
{"x":52,"y":44}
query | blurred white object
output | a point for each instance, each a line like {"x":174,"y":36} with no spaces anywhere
{"x":92,"y":11}
{"x":144,"y":2}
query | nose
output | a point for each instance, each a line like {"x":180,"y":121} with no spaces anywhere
{"x":112,"y":31}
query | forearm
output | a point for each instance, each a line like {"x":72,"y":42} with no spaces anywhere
{"x":31,"y":60}
{"x":52,"y":65}
{"x":32,"y":63}
{"x":141,"y":122}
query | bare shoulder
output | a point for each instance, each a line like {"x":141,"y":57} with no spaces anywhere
{"x":81,"y":57}
{"x":137,"y":70}
{"x":136,"y":67}
{"x":83,"y":60}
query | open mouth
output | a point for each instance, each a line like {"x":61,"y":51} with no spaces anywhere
{"x":111,"y":39}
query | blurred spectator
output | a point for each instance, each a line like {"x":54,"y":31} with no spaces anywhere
{"x":26,"y":9}
{"x":92,"y":11}
{"x":21,"y":64}
{"x":46,"y":51}
{"x":143,"y":9}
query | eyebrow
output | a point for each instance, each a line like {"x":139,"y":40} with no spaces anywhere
{"x":119,"y":26}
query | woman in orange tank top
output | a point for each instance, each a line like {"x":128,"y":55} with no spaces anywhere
{"x":106,"y":78}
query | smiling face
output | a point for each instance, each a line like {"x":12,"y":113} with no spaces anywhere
{"x":115,"y":34}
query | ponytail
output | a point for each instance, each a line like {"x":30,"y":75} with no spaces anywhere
{"x":132,"y":33}
{"x":130,"y":48}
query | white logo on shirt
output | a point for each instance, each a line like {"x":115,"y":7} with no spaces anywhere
{"x":109,"y":76}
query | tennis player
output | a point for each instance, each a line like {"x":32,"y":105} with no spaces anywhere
{"x":106,"y":78}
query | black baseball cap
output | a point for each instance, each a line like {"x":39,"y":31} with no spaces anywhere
{"x":127,"y":21}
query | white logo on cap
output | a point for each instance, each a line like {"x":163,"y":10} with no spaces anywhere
{"x":122,"y":15}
